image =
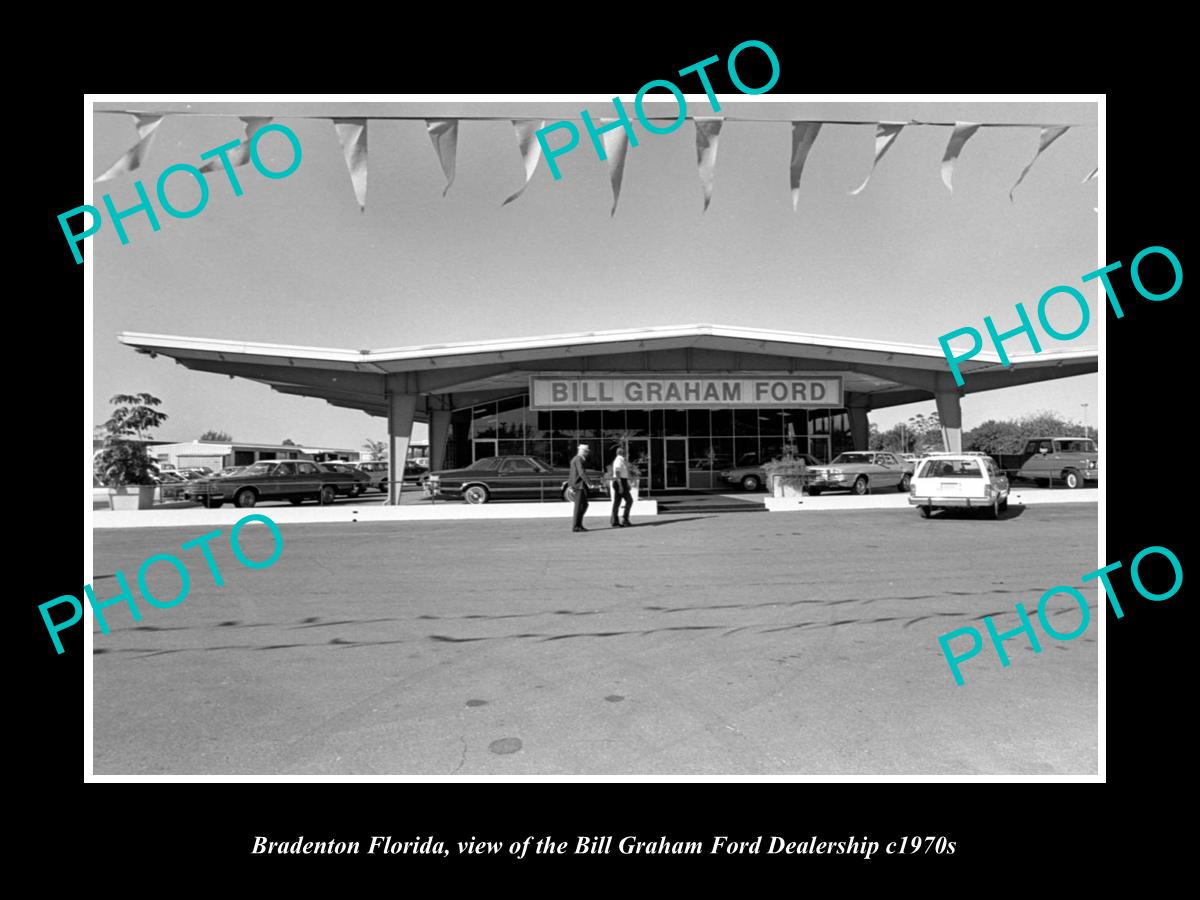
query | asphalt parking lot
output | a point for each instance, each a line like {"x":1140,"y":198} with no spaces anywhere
{"x":739,"y":644}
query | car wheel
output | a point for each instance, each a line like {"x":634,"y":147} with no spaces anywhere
{"x":905,"y":479}
{"x":1073,"y":479}
{"x":327,"y":496}
{"x":751,"y":483}
{"x":245,"y":498}
{"x":926,"y":511}
{"x":860,"y":485}
{"x":476,"y":494}
{"x":1004,"y":504}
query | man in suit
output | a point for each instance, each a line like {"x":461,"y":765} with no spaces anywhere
{"x":579,"y":483}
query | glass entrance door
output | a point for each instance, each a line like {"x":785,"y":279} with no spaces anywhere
{"x":675,"y":462}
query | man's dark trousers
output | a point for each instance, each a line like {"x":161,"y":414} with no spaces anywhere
{"x":581,"y":504}
{"x":621,"y":492}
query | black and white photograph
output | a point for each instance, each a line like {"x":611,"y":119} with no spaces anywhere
{"x":672,"y":436}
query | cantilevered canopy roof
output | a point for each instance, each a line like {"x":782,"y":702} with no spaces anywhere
{"x":876,"y":373}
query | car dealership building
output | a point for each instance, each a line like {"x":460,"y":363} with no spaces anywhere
{"x":689,"y":400}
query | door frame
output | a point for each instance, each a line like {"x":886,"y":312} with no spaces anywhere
{"x":666,"y":459}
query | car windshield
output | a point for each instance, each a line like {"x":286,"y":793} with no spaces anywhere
{"x":1080,"y":446}
{"x":257,"y":469}
{"x":951,"y":468}
{"x":848,"y":458}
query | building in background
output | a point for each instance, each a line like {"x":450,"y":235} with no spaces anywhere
{"x":689,"y":399}
{"x":217,"y":454}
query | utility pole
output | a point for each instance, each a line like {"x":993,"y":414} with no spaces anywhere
{"x":1085,"y":428}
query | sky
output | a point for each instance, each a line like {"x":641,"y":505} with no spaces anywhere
{"x":295,"y":261}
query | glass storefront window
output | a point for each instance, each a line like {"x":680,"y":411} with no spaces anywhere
{"x":589,"y":424}
{"x":656,"y":423}
{"x":637,"y":422}
{"x":540,"y":449}
{"x":511,"y":417}
{"x":512,"y":448}
{"x":745,"y":422}
{"x":745,"y":451}
{"x":483,"y":421}
{"x":698,"y":423}
{"x":565,"y":423}
{"x":818,"y":421}
{"x":613,"y":421}
{"x":722,"y":449}
{"x":675,"y":422}
{"x":722,"y":422}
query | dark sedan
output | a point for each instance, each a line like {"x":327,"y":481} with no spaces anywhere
{"x":505,"y":478}
{"x":362,"y":479}
{"x":295,"y":481}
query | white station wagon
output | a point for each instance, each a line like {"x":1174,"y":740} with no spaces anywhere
{"x":968,"y":481}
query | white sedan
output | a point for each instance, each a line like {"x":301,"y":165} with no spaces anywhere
{"x":968,"y":481}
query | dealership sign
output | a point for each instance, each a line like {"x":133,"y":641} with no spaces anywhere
{"x":680,"y":391}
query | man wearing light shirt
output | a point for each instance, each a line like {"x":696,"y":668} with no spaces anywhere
{"x":620,"y":483}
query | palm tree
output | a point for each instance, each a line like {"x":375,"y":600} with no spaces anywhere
{"x":377,"y":449}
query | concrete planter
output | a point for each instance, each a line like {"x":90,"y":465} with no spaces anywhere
{"x":133,"y":496}
{"x":787,"y":486}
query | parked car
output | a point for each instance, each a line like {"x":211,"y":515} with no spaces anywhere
{"x":1071,"y":460}
{"x":228,"y":470}
{"x":293,"y":480}
{"x":171,"y":486}
{"x":506,"y":478}
{"x":377,"y":472}
{"x":970,"y":481}
{"x":194,"y":471}
{"x":860,"y":471}
{"x":362,"y":480}
{"x":749,"y":471}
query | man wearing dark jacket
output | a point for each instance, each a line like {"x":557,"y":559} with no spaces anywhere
{"x":579,"y":484}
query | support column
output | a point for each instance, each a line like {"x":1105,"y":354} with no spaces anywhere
{"x":860,"y":431}
{"x":400,"y":420}
{"x":949,"y":410}
{"x":439,"y":428}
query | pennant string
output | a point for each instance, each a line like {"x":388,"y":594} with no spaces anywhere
{"x":616,"y":145}
{"x":531,"y":150}
{"x":1050,"y":134}
{"x":804,"y":135}
{"x":444,"y":134}
{"x":241,"y":154}
{"x":708,"y":130}
{"x":132,"y":158}
{"x":961,"y":134}
{"x":885,"y":135}
{"x":352,"y":133}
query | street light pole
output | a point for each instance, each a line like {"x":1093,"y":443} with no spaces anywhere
{"x":1085,"y":428}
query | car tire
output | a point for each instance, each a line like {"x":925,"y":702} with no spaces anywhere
{"x":1073,"y":479}
{"x":905,"y":480}
{"x":860,"y":485}
{"x":751,"y":483}
{"x":926,"y":511}
{"x":327,"y":495}
{"x":1004,"y":504}
{"x":245,"y":498}
{"x":475,"y":494}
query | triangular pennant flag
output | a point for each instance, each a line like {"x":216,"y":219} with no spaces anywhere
{"x":132,"y":158}
{"x":241,"y":155}
{"x":1091,"y":175}
{"x":1050,"y":134}
{"x":616,"y":145}
{"x":885,"y":136}
{"x":444,"y":134}
{"x":353,"y":136}
{"x":961,"y":134}
{"x":804,"y":134}
{"x":531,"y":150}
{"x":708,"y":130}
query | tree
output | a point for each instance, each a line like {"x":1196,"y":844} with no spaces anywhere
{"x":124,"y":460}
{"x":288,"y":442}
{"x":1009,"y":436}
{"x":220,"y":437}
{"x":377,"y":449}
{"x":134,"y":416}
